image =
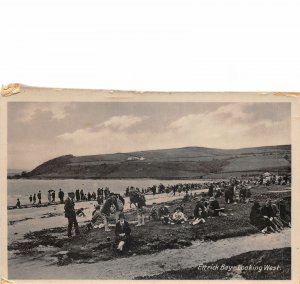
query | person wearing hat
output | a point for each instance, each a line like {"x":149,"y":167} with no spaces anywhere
{"x":122,"y":231}
{"x":71,"y":214}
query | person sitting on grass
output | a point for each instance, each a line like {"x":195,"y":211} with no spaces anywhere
{"x":163,"y":213}
{"x":122,"y":231}
{"x":268,"y":213}
{"x":200,"y":212}
{"x":153,"y":214}
{"x":178,"y":216}
{"x":258,"y":220}
{"x":283,"y":213}
{"x":277,"y":214}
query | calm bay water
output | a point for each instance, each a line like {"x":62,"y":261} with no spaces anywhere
{"x":23,"y":188}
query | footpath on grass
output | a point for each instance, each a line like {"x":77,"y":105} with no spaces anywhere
{"x":153,"y":264}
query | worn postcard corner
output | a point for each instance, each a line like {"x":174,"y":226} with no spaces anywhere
{"x":5,"y":281}
{"x":10,"y":89}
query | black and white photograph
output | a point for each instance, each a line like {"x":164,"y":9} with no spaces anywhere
{"x":149,"y":190}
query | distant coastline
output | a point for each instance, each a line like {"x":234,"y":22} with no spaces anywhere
{"x":180,"y":163}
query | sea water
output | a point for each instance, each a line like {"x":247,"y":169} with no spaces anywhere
{"x":22,"y":188}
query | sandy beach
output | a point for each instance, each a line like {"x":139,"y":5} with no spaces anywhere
{"x":22,"y":221}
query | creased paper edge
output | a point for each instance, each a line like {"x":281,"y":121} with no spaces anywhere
{"x":6,"y":281}
{"x":10,"y":89}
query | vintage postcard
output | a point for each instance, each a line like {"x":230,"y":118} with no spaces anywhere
{"x":106,"y":185}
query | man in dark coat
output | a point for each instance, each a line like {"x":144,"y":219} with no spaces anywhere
{"x":122,"y":232}
{"x":71,"y":214}
{"x":61,"y":195}
{"x":53,"y":196}
{"x":229,"y":193}
{"x":77,"y":194}
{"x":210,"y":190}
{"x":39,"y":196}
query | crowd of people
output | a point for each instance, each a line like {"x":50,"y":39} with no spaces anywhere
{"x":272,"y":216}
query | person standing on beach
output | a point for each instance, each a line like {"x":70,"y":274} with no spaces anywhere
{"x":71,"y":214}
{"x":18,"y":203}
{"x":53,"y":196}
{"x":49,"y":196}
{"x":30,"y":199}
{"x":81,"y":194}
{"x":141,"y":203}
{"x":39,"y":196}
{"x":34,"y":199}
{"x":61,"y":195}
{"x":77,"y":194}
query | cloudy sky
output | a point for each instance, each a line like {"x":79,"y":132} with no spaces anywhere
{"x":41,"y":131}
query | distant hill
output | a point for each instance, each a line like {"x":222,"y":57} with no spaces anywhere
{"x":188,"y":162}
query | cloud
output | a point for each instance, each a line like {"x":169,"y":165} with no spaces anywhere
{"x":57,"y":111}
{"x":122,"y":122}
{"x":231,"y":126}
